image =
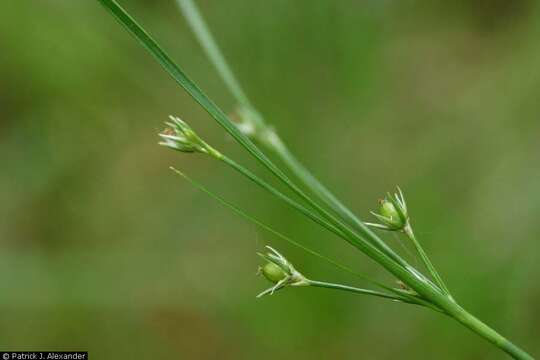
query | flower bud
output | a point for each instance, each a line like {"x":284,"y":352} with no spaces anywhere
{"x":179,"y":136}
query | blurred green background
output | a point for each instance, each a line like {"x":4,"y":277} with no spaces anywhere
{"x":104,"y":249}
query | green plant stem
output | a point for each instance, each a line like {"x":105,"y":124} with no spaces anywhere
{"x":385,"y":259}
{"x":316,"y":187}
{"x":480,"y":328}
{"x":275,"y":232}
{"x":406,"y":297}
{"x":364,"y":243}
{"x":286,"y":199}
{"x":415,"y":280}
{"x":210,"y":47}
{"x":330,"y":223}
{"x":328,"y":285}
{"x":174,"y":70}
{"x":421,"y":284}
{"x":425,"y":259}
{"x":267,"y":136}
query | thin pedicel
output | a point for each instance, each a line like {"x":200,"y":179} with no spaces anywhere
{"x":339,"y":220}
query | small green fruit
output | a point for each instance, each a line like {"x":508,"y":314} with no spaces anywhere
{"x":389,"y":211}
{"x":273,"y":272}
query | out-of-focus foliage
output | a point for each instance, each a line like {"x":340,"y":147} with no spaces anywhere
{"x":103,"y":248}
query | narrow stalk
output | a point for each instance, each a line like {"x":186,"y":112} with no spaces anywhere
{"x":275,"y":232}
{"x":295,"y":205}
{"x":387,"y":260}
{"x":328,"y":285}
{"x":365,"y":243}
{"x":413,"y":278}
{"x":412,"y":299}
{"x":471,"y":322}
{"x":321,"y":191}
{"x":436,"y":299}
{"x":312,"y":183}
{"x":269,"y":138}
{"x":210,"y":47}
{"x":332,"y":224}
{"x":425,"y":259}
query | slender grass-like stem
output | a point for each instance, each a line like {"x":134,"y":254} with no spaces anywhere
{"x":321,"y":191}
{"x":405,"y":296}
{"x":364,"y":243}
{"x":269,"y":138}
{"x":425,"y":259}
{"x":275,"y":232}
{"x":334,"y":225}
{"x":362,"y":238}
{"x":328,"y":285}
{"x":205,"y":37}
{"x":480,"y":328}
{"x":410,"y":276}
{"x":292,"y":203}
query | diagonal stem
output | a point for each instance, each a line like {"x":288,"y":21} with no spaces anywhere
{"x":268,"y":228}
{"x":266,"y":134}
{"x":329,"y":222}
{"x":429,"y":293}
{"x":210,"y":47}
{"x":411,"y":298}
{"x":363,"y":242}
{"x":425,"y":259}
{"x":393,"y":263}
{"x":329,"y":285}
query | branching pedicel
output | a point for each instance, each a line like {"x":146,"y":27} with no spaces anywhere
{"x":181,"y":137}
{"x":322,"y":206}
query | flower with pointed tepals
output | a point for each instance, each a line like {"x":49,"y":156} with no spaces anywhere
{"x":279,"y":271}
{"x":392,"y":213}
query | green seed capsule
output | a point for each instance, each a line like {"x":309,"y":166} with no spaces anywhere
{"x":388,"y":210}
{"x":273,"y":272}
